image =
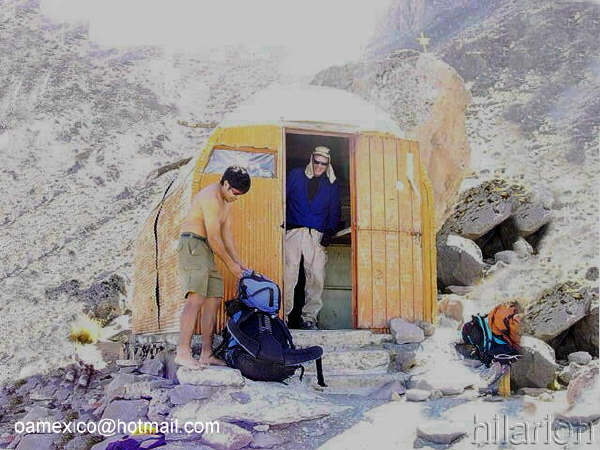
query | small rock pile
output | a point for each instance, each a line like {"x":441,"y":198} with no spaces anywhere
{"x":493,"y":225}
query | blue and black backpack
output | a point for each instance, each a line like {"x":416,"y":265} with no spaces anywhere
{"x":487,"y":345}
{"x":256,"y":341}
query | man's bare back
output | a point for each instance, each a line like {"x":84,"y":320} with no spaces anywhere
{"x":194,"y":221}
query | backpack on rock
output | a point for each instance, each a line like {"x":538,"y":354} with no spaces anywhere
{"x":256,"y":341}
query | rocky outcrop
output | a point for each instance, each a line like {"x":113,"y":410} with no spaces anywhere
{"x":491,"y":223}
{"x":557,"y":309}
{"x":428,"y":100}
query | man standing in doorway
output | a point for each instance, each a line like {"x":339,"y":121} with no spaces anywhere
{"x":312,"y":217}
{"x":207,"y":228}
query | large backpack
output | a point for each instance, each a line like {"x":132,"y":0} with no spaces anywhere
{"x":492,"y":335}
{"x":256,"y":341}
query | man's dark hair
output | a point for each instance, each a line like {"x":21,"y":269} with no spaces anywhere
{"x":238,"y":178}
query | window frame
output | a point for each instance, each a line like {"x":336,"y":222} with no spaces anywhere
{"x":245,"y":150}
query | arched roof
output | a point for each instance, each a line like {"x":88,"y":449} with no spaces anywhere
{"x":313,"y":107}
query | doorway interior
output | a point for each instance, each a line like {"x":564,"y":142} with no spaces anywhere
{"x":337,"y":311}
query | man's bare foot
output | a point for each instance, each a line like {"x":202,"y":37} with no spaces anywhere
{"x":187,"y":360}
{"x":211,"y":361}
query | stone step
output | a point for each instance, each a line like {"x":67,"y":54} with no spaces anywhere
{"x":353,"y":362}
{"x":362,"y":385}
{"x":333,"y":340}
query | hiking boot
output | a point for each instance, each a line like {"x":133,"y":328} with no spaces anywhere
{"x":308,"y":325}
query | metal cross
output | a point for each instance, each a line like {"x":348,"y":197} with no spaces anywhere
{"x":424,"y":41}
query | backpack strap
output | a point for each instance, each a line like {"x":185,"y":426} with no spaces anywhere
{"x":320,"y":379}
{"x":248,"y":343}
{"x":487,"y":333}
{"x":286,"y":332}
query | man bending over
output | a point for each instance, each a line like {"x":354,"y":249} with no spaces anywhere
{"x":207,"y":229}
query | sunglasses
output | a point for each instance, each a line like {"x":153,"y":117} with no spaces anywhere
{"x":320,"y":163}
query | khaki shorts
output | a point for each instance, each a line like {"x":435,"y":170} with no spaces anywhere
{"x":197,"y":267}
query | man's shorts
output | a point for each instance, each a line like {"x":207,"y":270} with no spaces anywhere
{"x":197,"y":267}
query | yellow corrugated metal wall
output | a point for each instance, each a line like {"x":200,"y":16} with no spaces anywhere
{"x":393,"y":260}
{"x":258,"y":215}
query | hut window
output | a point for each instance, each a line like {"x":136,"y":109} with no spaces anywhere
{"x":258,"y":164}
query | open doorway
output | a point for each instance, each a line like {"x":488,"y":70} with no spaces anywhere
{"x":336,"y":312}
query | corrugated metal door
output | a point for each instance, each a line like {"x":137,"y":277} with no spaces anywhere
{"x":388,"y":226}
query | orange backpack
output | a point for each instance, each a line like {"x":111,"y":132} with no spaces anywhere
{"x":504,"y":321}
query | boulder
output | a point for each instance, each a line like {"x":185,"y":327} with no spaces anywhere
{"x":153,"y":367}
{"x":582,"y":396}
{"x":184,"y":393}
{"x":159,"y":408}
{"x":530,"y":217}
{"x":506,"y":256}
{"x":417,"y":395}
{"x":405,"y":332}
{"x":39,"y":441}
{"x":427,"y":327}
{"x":459,"y":261}
{"x":270,"y":403}
{"x":428,"y":99}
{"x":556,"y":310}
{"x":569,"y":372}
{"x":126,"y":410}
{"x":451,"y":306}
{"x":591,"y":274}
{"x":522,"y":248}
{"x":229,"y":437}
{"x":585,"y":332}
{"x":440,"y":433}
{"x":385,"y":392}
{"x":582,"y":384}
{"x":536,"y":367}
{"x":266,"y":440}
{"x":211,"y":376}
{"x":581,"y":358}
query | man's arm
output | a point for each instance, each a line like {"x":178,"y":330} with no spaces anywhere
{"x":210,"y":211}
{"x":333,"y":216}
{"x":335,"y":210}
{"x":229,"y":242}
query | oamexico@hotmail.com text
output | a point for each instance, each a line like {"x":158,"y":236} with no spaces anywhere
{"x":110,"y":427}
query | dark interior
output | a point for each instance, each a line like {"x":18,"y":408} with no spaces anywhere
{"x":337,"y":294}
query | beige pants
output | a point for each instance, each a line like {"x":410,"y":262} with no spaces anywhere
{"x":304,"y":242}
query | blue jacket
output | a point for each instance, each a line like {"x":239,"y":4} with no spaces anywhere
{"x":322,"y":213}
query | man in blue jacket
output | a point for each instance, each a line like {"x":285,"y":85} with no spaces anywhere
{"x":312,"y":217}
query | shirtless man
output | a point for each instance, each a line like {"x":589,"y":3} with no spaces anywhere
{"x":207,"y":228}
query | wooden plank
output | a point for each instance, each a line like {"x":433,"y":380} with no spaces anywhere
{"x":392,"y":251}
{"x":417,"y":229}
{"x":378,"y":274}
{"x":363,"y":184}
{"x":405,"y":240}
{"x":354,"y":235}
{"x":378,"y":198}
{"x":390,"y":176}
{"x":365,"y":293}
